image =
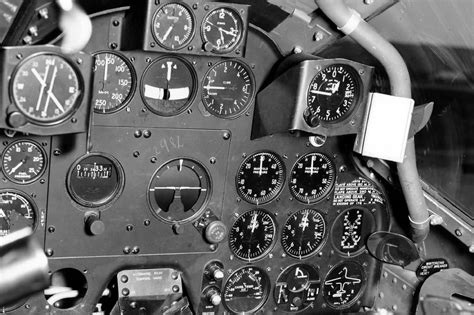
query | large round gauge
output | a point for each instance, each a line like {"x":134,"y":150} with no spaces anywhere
{"x":95,"y":180}
{"x":46,"y":88}
{"x":297,"y":288}
{"x":260,"y":177}
{"x":351,"y":229}
{"x":333,"y":93}
{"x":344,"y":284}
{"x":179,"y":191}
{"x":114,"y":82}
{"x":312,"y":177}
{"x":228,"y":89}
{"x":246,"y":290}
{"x":23,"y":161}
{"x":17,"y":211}
{"x":168,"y":86}
{"x":221,"y":30}
{"x":252,"y":235}
{"x":173,"y":26}
{"x":304,"y":233}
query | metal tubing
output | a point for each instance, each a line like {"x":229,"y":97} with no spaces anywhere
{"x":374,"y":43}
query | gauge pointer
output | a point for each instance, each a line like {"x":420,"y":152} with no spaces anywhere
{"x":49,"y":92}
{"x":167,"y":33}
{"x":321,"y":92}
{"x":16,"y":167}
{"x":106,"y":68}
{"x":209,"y":87}
{"x":55,"y":101}
{"x":253,"y":223}
{"x":42,"y":82}
{"x":231,"y":33}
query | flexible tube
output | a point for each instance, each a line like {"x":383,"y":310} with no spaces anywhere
{"x":374,"y":43}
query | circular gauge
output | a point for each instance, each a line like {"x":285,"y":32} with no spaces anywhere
{"x":252,"y":235}
{"x":17,"y":211}
{"x":333,"y":93}
{"x":351,"y":229}
{"x":303,"y":233}
{"x":260,"y":177}
{"x":114,"y":82}
{"x":246,"y":290}
{"x":46,"y":88}
{"x":23,"y":161}
{"x":95,"y":180}
{"x":228,"y":89}
{"x":297,"y":287}
{"x":344,"y":284}
{"x":168,"y":86}
{"x":173,"y":26}
{"x":179,"y":191}
{"x":221,"y":30}
{"x":312,"y":177}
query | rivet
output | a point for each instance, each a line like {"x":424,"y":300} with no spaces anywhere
{"x":124,"y":279}
{"x":125,"y":292}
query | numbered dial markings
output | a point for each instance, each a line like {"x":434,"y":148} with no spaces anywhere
{"x":303,"y":233}
{"x":246,"y":290}
{"x":228,"y":89}
{"x":312,"y":177}
{"x":46,"y":88}
{"x":221,"y":30}
{"x":114,"y":82}
{"x":260,"y":177}
{"x":333,"y":93}
{"x":344,"y":284}
{"x":252,"y":235}
{"x":16,"y":212}
{"x":23,"y":161}
{"x":168,"y":86}
{"x":173,"y":26}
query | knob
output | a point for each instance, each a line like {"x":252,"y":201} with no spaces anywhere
{"x":94,"y":225}
{"x":216,"y":272}
{"x":16,"y":119}
{"x":216,"y":232}
{"x":214,"y":296}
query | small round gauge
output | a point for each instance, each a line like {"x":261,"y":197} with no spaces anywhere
{"x":168,"y":86}
{"x":17,"y":211}
{"x":221,"y":30}
{"x":173,"y":26}
{"x":95,"y":180}
{"x":344,"y":284}
{"x":260,"y":177}
{"x":297,"y":287}
{"x":252,"y":235}
{"x":46,"y":88}
{"x":228,"y":89}
{"x":333,"y":93}
{"x":23,"y":161}
{"x":312,"y":177}
{"x":179,"y":191}
{"x":303,"y":234}
{"x":351,"y":229}
{"x":114,"y":82}
{"x":246,"y":290}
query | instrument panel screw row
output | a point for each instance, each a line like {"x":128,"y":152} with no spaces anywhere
{"x":51,"y":229}
{"x":135,"y":250}
{"x":147,"y":222}
{"x":175,"y":288}
{"x":49,"y":252}
{"x":137,"y":133}
{"x":226,"y":135}
{"x":153,"y":159}
{"x":125,"y":292}
{"x":129,"y":227}
{"x":124,"y":279}
{"x":212,"y":160}
{"x":147,"y":133}
{"x":126,"y":250}
{"x":458,"y":232}
{"x":116,"y":23}
{"x":136,"y":154}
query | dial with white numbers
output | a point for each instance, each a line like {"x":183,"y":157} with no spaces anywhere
{"x":173,"y":26}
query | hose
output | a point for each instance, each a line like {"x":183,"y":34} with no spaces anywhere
{"x":365,"y":35}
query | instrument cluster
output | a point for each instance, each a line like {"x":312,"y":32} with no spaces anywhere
{"x":167,"y":175}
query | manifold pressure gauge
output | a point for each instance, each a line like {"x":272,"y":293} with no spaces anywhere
{"x":46,"y":88}
{"x":23,"y":161}
{"x":332,"y":94}
{"x":222,"y":30}
{"x":260,"y":177}
{"x":173,"y":26}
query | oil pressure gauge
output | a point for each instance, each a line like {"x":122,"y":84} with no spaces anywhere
{"x":332,"y":94}
{"x":23,"y":161}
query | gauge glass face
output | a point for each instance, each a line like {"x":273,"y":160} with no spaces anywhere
{"x":173,"y":26}
{"x":114,"y":82}
{"x":228,"y":89}
{"x":312,"y":177}
{"x":260,"y":177}
{"x":23,"y":161}
{"x":179,"y":190}
{"x":46,"y":88}
{"x":246,"y":290}
{"x":168,"y":86}
{"x":95,"y":180}
{"x":297,"y":288}
{"x":351,"y":229}
{"x":252,"y":235}
{"x":333,"y":93}
{"x":343,"y":284}
{"x":304,"y":233}
{"x":222,"y":30}
{"x":16,"y":212}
